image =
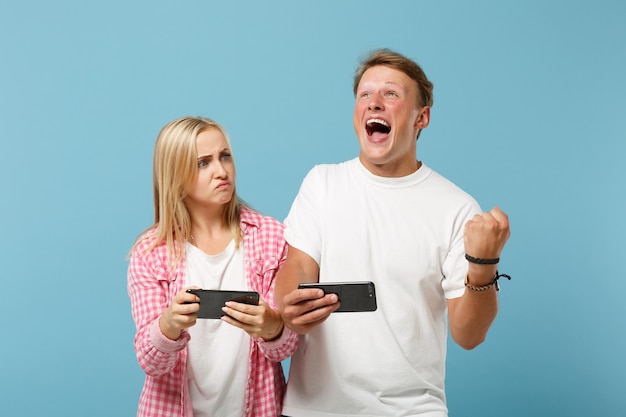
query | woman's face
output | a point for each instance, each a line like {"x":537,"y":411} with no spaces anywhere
{"x":215,"y":183}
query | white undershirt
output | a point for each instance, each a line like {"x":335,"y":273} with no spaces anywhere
{"x":218,"y":353}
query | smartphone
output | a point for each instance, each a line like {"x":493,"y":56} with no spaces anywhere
{"x":212,"y":301}
{"x":354,"y":296}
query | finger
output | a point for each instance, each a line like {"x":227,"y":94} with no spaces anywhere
{"x":300,"y":295}
{"x":240,"y":316}
{"x":186,"y":308}
{"x":186,"y":297}
{"x":501,"y":217}
{"x":482,"y":222}
{"x":185,"y":320}
{"x":479,"y":217}
{"x":313,"y":310}
{"x":316,"y":316}
{"x":244,"y":308}
{"x":233,"y":322}
{"x":314,"y":304}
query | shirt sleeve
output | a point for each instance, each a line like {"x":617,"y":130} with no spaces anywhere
{"x":303,"y":223}
{"x":147,"y":288}
{"x":279,"y":349}
{"x":274,"y":254}
{"x":455,"y":265}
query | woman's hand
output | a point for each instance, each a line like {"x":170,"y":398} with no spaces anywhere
{"x":180,"y":314}
{"x":258,"y":321}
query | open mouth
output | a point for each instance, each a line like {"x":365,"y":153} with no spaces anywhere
{"x":377,"y":126}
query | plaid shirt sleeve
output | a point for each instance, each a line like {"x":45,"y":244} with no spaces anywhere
{"x":285,"y":345}
{"x":266,"y":252}
{"x":150,"y":291}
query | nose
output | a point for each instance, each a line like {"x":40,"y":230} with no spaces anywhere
{"x":220,"y":171}
{"x":375,"y":103}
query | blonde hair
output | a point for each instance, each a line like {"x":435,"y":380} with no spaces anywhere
{"x":175,"y":167}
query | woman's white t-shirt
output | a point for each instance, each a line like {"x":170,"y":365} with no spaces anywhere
{"x":218,"y":353}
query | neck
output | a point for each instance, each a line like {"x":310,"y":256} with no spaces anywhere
{"x":392,"y":171}
{"x":210,"y":237}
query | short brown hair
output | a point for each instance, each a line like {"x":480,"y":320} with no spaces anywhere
{"x":392,"y":59}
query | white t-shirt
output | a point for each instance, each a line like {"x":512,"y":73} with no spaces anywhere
{"x":406,"y":235}
{"x":218,"y":353}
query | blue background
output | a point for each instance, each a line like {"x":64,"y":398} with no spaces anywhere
{"x":529,"y":114}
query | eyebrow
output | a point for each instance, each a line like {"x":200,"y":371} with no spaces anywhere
{"x":210,"y":154}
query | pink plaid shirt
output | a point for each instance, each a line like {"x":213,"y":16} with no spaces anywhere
{"x":151,"y":287}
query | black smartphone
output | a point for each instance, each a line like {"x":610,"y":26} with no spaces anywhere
{"x":212,"y":301}
{"x":354,"y":296}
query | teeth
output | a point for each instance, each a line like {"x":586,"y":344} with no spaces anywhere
{"x":379,"y":121}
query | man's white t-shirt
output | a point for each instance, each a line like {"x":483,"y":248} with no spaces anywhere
{"x":406,"y":235}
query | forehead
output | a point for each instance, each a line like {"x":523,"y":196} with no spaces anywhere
{"x":211,"y":140}
{"x":380,"y":75}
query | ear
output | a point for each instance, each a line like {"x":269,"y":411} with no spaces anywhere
{"x":423,"y":118}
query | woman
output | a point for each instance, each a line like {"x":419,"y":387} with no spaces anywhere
{"x":205,"y":237}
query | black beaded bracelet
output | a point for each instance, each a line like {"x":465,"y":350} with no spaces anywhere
{"x":482,"y":261}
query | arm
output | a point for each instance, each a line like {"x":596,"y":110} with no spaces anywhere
{"x":148,"y":286}
{"x":281,"y":348}
{"x":471,"y":315}
{"x":302,"y":310}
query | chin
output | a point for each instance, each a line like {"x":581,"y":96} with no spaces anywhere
{"x":375,"y":154}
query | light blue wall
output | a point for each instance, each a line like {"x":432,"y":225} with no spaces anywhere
{"x":529,"y":114}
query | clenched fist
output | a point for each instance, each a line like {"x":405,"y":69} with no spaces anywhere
{"x":486,"y":234}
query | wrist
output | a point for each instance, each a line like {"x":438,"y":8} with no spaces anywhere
{"x":167,"y":330}
{"x":482,"y":261}
{"x":276,"y":333}
{"x":492,"y":284}
{"x":479,"y":275}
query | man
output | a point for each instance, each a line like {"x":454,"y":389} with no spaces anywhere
{"x":388,"y":218}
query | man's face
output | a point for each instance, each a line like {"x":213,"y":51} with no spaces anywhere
{"x":386,"y":120}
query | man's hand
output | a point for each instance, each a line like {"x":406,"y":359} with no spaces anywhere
{"x":305,"y":309}
{"x":486,"y":234}
{"x":485,"y":237}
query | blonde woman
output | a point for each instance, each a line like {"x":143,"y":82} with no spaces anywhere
{"x":204,"y":236}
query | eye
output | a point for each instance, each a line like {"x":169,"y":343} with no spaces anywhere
{"x":364,"y":94}
{"x":203,"y":163}
{"x":392,"y":94}
{"x":226,"y":156}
